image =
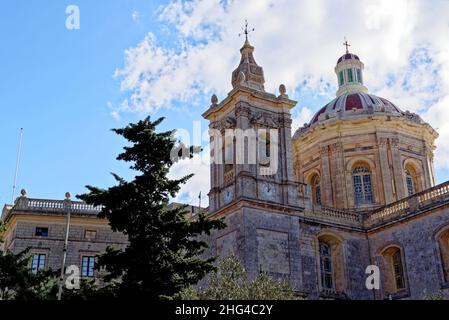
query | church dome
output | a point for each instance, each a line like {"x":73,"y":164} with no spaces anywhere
{"x":355,"y":104}
{"x":353,"y":100}
{"x":348,"y":56}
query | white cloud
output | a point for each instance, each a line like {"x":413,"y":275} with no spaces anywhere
{"x":302,"y":117}
{"x":135,"y":16}
{"x":403,"y":44}
{"x":200,"y":182}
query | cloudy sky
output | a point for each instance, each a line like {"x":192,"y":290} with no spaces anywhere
{"x":134,"y":58}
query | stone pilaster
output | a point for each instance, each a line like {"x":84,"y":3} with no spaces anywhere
{"x":326,"y":179}
{"x":338,"y":170}
{"x":385,"y":170}
{"x":398,"y":170}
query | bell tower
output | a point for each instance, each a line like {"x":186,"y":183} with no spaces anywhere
{"x":250,"y":135}
{"x":252,"y":181}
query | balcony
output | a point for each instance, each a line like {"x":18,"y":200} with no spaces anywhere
{"x":27,"y":205}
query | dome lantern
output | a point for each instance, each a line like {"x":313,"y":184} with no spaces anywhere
{"x":349,"y":70}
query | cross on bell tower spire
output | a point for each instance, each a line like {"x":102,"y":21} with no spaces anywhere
{"x":246,"y":31}
{"x":347,"y":45}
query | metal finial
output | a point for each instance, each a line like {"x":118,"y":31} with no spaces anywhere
{"x":246,"y":31}
{"x":347,"y":45}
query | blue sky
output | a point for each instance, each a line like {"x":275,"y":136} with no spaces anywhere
{"x":56,"y":84}
{"x":59,"y":84}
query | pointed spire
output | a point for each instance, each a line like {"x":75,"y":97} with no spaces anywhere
{"x":248,"y":73}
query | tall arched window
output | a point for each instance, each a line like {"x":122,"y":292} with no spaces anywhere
{"x":412,"y":177}
{"x":363,"y":189}
{"x":316,"y":190}
{"x":410,"y":182}
{"x":443,"y":242}
{"x":398,"y":270}
{"x":394,"y":271}
{"x":327,"y":276}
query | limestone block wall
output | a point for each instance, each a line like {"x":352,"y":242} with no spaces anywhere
{"x":387,"y":147}
{"x":23,"y":237}
{"x":422,"y":255}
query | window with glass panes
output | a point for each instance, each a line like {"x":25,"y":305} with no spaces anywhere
{"x":363,"y":190}
{"x":38,"y":262}
{"x":87,"y":266}
{"x":327,"y":277}
{"x":398,"y":270}
{"x":341,"y":77}
{"x":410,"y":184}
{"x":359,"y":75}
{"x":350,"y":76}
{"x":41,"y":232}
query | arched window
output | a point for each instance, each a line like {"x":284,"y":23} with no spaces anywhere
{"x":412,"y":179}
{"x":316,"y":190}
{"x":394,"y":271}
{"x":363,"y":189}
{"x":410,"y":183}
{"x":326,"y":269}
{"x":443,"y":243}
{"x":398,"y":270}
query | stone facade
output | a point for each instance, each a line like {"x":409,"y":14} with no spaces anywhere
{"x":355,"y":187}
{"x":40,"y":225}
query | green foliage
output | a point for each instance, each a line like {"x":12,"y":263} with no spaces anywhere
{"x":163,"y":254}
{"x":230,"y":282}
{"x":17,"y":282}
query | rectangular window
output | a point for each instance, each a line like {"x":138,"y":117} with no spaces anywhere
{"x":38,"y":262}
{"x":350,"y":76}
{"x":341,"y":77}
{"x":41,"y":232}
{"x":90,"y":234}
{"x":359,"y":76}
{"x":87,"y":266}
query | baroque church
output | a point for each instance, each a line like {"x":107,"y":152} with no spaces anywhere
{"x":354,"y":187}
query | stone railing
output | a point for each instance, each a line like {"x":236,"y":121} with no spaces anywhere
{"x":335,"y":215}
{"x":407,"y":206}
{"x":24,"y":204}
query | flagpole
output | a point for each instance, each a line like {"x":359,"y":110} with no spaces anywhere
{"x":19,"y":149}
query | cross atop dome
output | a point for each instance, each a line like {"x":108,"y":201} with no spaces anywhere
{"x":349,"y":72}
{"x":347,"y":45}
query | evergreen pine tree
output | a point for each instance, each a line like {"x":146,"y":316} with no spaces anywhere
{"x":164,"y":251}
